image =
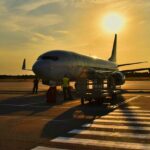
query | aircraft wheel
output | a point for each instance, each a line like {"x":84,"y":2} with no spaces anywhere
{"x":102,"y":100}
{"x":82,"y":101}
{"x":113,"y":98}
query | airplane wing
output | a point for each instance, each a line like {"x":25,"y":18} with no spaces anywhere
{"x":132,"y":70}
{"x":132,"y":63}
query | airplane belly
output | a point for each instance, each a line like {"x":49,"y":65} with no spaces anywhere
{"x":75,"y":72}
{"x":57,"y":73}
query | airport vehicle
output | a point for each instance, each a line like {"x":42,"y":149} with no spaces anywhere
{"x":53,"y":65}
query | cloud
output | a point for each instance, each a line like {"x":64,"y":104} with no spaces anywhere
{"x":40,"y":37}
{"x":22,"y":30}
{"x":33,"y":22}
{"x":60,"y":20}
{"x":34,"y":4}
{"x":63,"y":32}
{"x":56,"y":7}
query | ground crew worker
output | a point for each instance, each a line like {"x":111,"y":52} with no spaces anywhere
{"x":66,"y":88}
{"x":35,"y":85}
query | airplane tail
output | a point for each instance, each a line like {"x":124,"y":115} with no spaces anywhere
{"x":24,"y":66}
{"x":114,"y":50}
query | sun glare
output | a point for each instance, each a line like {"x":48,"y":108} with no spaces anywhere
{"x":113,"y":22}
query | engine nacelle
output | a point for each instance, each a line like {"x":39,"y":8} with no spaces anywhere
{"x":119,"y":78}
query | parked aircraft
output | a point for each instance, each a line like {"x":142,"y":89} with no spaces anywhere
{"x":53,"y":65}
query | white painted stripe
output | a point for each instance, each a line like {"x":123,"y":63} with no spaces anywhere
{"x":13,"y":105}
{"x":126,"y":101}
{"x":116,"y":127}
{"x":126,"y":116}
{"x":65,"y":107}
{"x":54,"y":120}
{"x":122,"y":121}
{"x":26,"y":105}
{"x":111,"y":134}
{"x":32,"y":106}
{"x":147,"y":96}
{"x":35,"y":103}
{"x":129,"y":114}
{"x":21,"y":105}
{"x":129,"y":110}
{"x":133,"y":107}
{"x":46,"y":148}
{"x":102,"y":143}
{"x":11,"y":116}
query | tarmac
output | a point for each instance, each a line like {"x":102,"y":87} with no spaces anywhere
{"x":27,"y":122}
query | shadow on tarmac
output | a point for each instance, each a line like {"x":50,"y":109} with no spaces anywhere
{"x":76,"y":116}
{"x":73,"y":118}
{"x":24,"y":103}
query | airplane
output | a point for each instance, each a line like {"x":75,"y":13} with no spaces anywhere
{"x":53,"y":65}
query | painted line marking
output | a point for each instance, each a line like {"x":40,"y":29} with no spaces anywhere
{"x":121,"y":121}
{"x":35,"y":103}
{"x":62,"y":107}
{"x":133,"y":107}
{"x":21,"y":105}
{"x":13,"y":105}
{"x":147,"y":96}
{"x":134,"y":111}
{"x":55,"y":120}
{"x":126,"y":117}
{"x":128,"y":114}
{"x":116,"y":127}
{"x":14,"y":117}
{"x":126,"y":101}
{"x":46,"y":148}
{"x":102,"y":143}
{"x":111,"y":134}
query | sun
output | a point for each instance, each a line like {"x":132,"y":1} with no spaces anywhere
{"x":113,"y":22}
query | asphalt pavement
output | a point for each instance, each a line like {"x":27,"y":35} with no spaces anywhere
{"x":27,"y":122}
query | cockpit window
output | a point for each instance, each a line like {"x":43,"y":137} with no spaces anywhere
{"x":50,"y":57}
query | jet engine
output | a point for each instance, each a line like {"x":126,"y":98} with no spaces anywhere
{"x":119,"y":78}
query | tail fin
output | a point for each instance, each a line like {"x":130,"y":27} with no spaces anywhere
{"x":114,"y":49}
{"x":24,"y":66}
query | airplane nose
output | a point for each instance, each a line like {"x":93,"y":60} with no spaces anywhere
{"x":39,"y":68}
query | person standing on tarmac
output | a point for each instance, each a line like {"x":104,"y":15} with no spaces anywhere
{"x":35,"y":86}
{"x":66,"y":88}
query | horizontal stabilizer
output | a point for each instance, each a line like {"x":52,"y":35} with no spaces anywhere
{"x":131,"y":63}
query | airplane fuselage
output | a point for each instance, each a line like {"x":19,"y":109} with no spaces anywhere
{"x":53,"y":65}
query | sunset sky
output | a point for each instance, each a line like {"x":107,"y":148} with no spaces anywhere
{"x":29,"y":28}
